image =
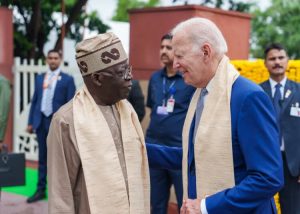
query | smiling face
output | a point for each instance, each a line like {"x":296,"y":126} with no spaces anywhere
{"x":276,"y":62}
{"x":189,"y":60}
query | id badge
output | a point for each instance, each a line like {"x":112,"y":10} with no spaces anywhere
{"x":295,"y":111}
{"x":170,"y":105}
{"x":162,"y":110}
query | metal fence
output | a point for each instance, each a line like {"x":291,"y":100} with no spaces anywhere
{"x":24,"y":76}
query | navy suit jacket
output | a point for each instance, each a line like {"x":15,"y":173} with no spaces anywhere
{"x":64,"y":91}
{"x":257,"y":160}
{"x":289,"y":125}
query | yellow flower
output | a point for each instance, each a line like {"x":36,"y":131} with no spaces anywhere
{"x":257,"y":72}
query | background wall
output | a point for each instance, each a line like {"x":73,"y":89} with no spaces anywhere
{"x":147,"y":26}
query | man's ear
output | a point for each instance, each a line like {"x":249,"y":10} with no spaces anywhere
{"x":100,"y":77}
{"x":206,"y":48}
{"x":97,"y":78}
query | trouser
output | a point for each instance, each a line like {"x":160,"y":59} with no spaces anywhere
{"x":161,"y":181}
{"x":289,"y":196}
{"x":42,"y":132}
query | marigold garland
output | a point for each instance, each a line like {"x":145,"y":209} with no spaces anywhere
{"x":257,"y":72}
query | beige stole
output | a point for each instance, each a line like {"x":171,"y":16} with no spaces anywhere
{"x":106,"y":187}
{"x":213,"y":146}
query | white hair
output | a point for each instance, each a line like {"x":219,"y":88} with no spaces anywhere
{"x":200,"y":31}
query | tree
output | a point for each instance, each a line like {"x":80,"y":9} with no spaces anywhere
{"x":121,"y":13}
{"x":35,"y":19}
{"x":278,"y":23}
{"x":123,"y":6}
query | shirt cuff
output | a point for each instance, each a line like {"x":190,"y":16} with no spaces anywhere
{"x":203,"y":207}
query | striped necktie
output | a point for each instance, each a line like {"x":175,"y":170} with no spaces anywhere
{"x":48,"y":96}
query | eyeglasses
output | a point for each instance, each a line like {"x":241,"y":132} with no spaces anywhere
{"x":123,"y":72}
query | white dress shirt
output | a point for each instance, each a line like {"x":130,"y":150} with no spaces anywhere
{"x":52,"y":82}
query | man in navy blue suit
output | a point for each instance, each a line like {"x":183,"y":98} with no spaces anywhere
{"x":52,"y":90}
{"x":286,"y":100}
{"x":231,"y":160}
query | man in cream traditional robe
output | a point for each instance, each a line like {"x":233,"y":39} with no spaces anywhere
{"x":231,"y":159}
{"x":96,"y":154}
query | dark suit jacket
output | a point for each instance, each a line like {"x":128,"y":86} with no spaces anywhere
{"x":289,"y":125}
{"x":136,"y":99}
{"x":256,"y":155}
{"x":64,"y":91}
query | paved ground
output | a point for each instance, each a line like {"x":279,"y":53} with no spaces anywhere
{"x":16,"y":204}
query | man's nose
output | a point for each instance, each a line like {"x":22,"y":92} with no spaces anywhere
{"x":277,"y":60}
{"x":129,"y":75}
{"x":163,"y":50}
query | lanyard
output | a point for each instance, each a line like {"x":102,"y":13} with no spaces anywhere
{"x":164,"y":89}
{"x":47,"y":82}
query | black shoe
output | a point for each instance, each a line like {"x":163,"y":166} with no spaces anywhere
{"x":38,"y":195}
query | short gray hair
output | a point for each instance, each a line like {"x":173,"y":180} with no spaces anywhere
{"x":201,"y":30}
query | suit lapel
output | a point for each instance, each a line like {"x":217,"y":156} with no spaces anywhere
{"x":267,"y":88}
{"x":288,"y":94}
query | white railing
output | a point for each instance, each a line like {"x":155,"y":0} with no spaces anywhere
{"x":24,"y":76}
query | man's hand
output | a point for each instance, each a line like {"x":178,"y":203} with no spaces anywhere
{"x":299,"y":179}
{"x":183,"y":207}
{"x":29,"y":129}
{"x":190,"y":206}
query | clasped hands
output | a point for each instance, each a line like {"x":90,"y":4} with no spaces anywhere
{"x":191,"y":206}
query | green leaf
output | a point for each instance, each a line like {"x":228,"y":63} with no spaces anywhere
{"x":49,"y":19}
{"x":278,"y":23}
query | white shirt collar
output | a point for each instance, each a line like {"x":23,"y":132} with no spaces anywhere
{"x":208,"y":87}
{"x":273,"y":83}
{"x":56,"y":72}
